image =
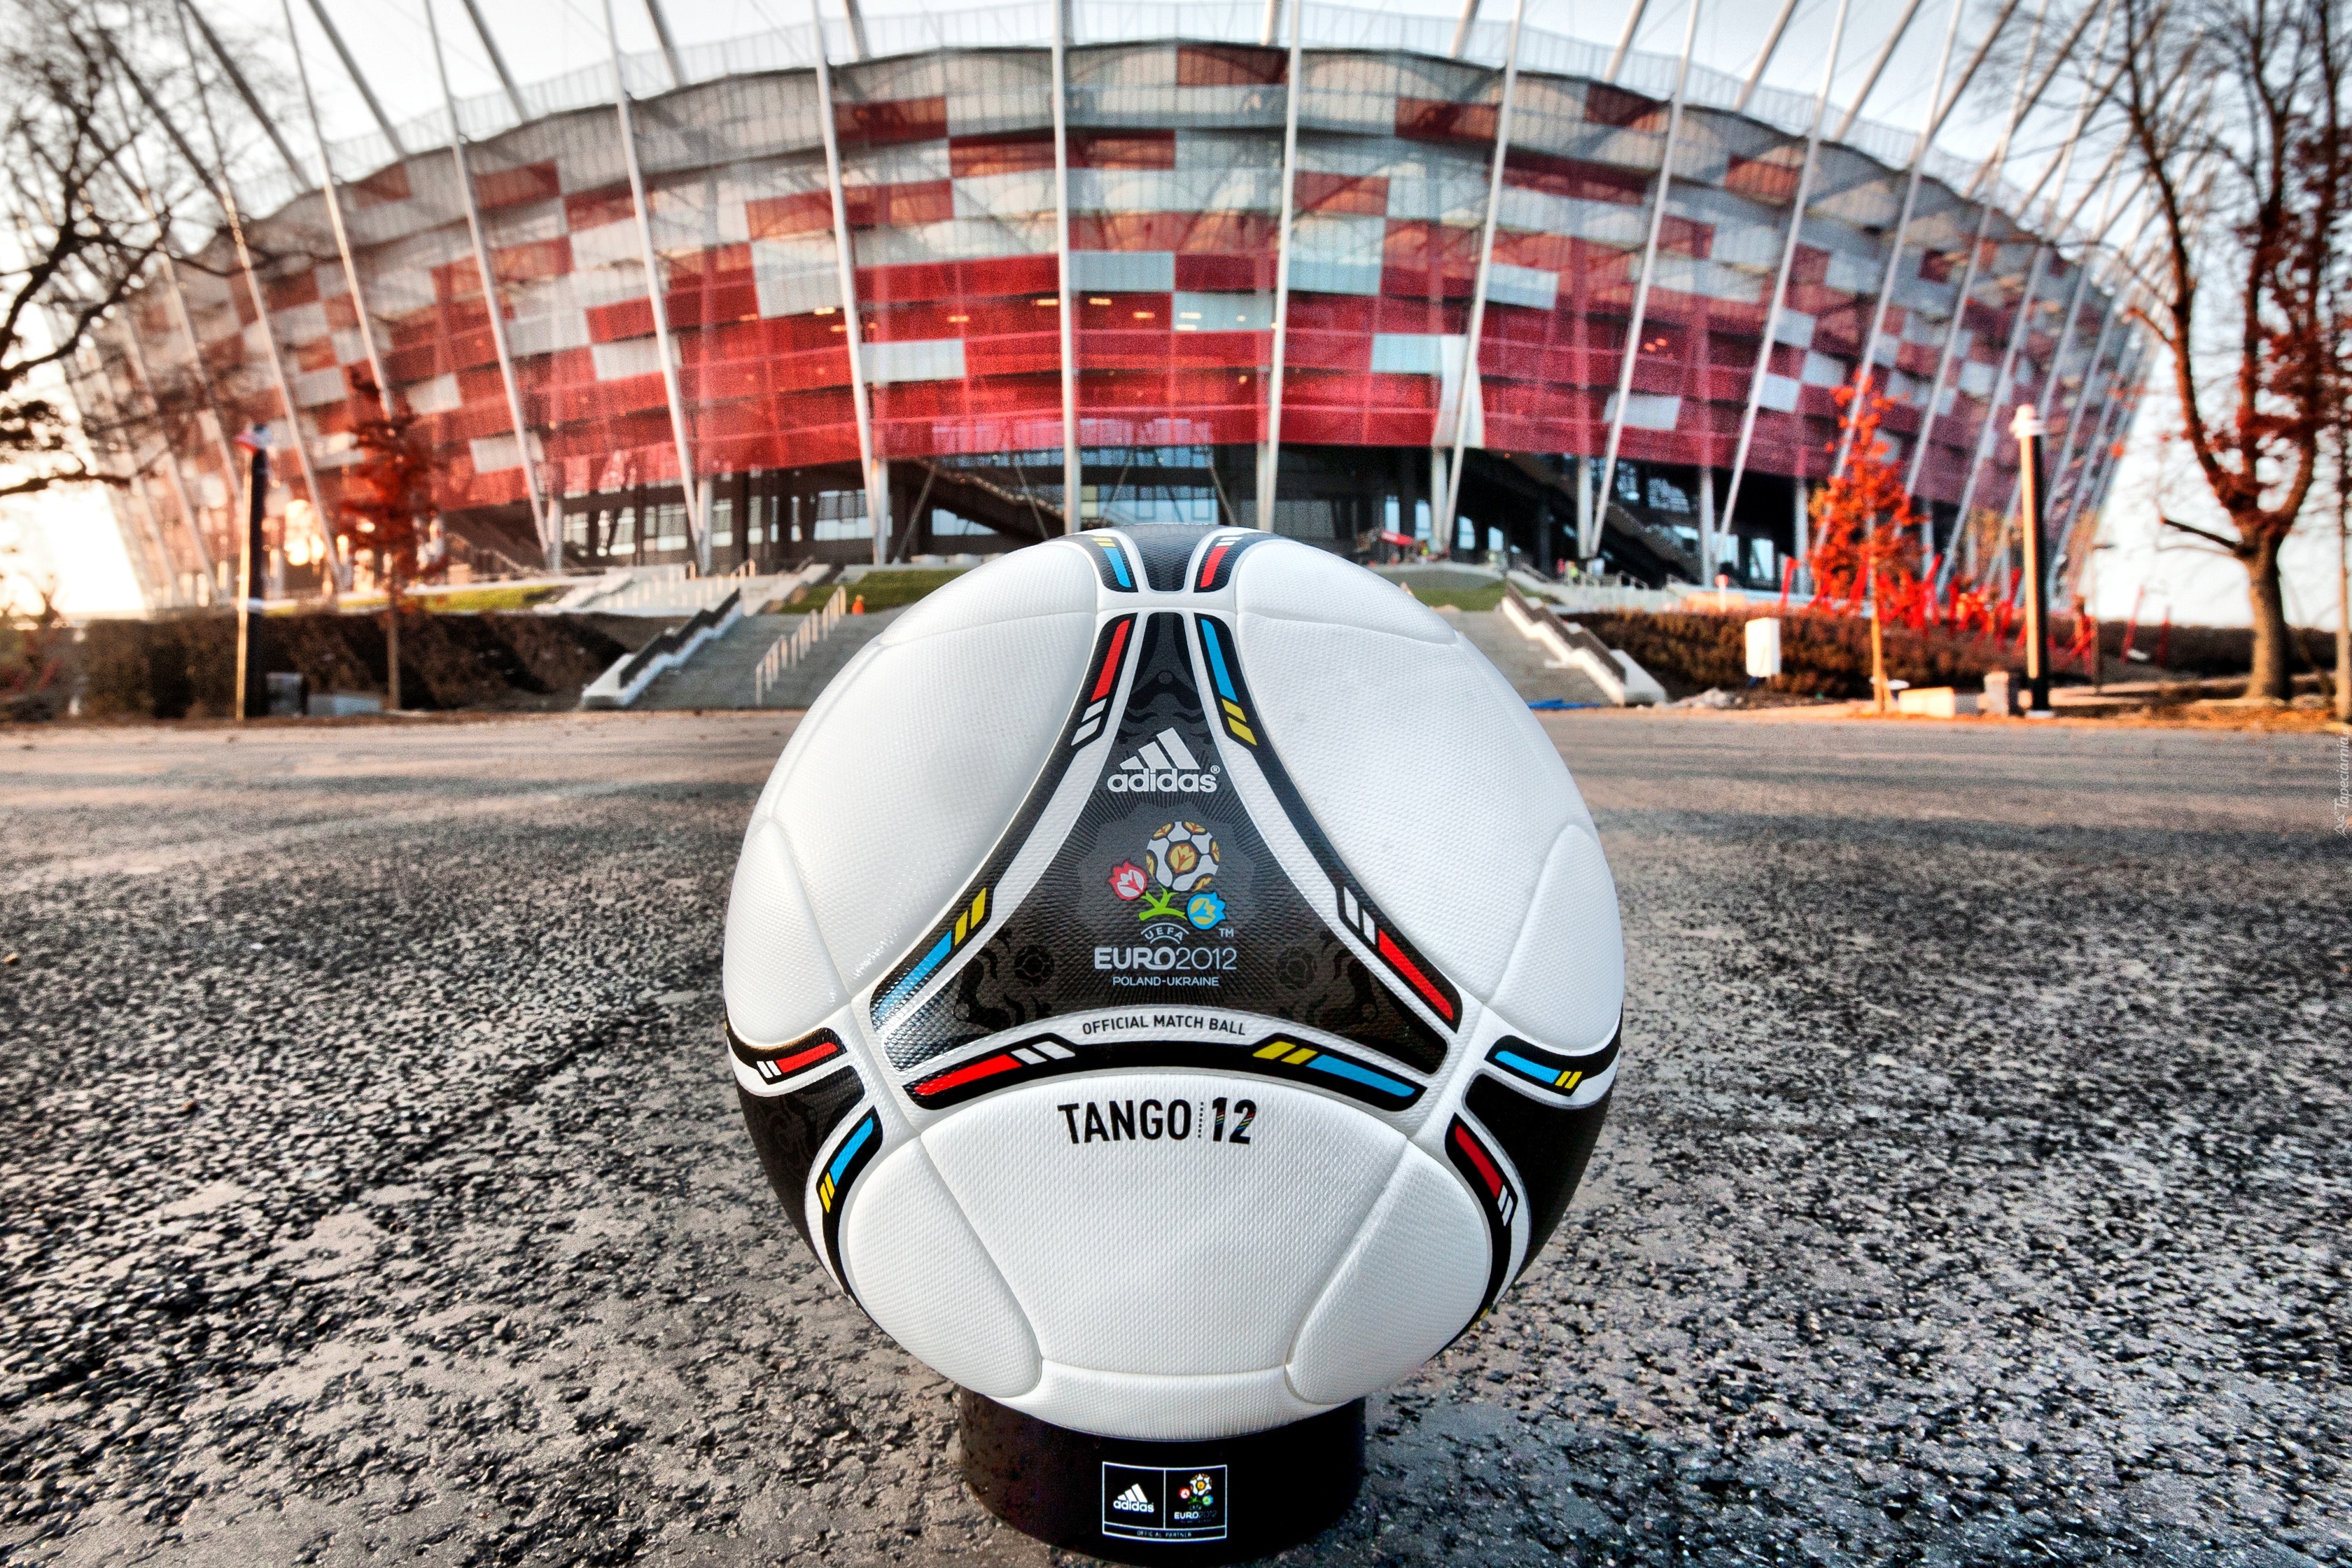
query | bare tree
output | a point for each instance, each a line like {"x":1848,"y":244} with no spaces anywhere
{"x":2250,"y":197}
{"x":101,"y":190}
{"x":78,"y":245}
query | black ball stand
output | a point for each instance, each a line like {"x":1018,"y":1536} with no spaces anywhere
{"x":1224,"y":1500}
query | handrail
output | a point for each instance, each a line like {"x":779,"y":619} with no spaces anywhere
{"x":1615,"y":513}
{"x":632,"y":673}
{"x":1037,"y":506}
{"x":793,"y":646}
{"x":677,"y":636}
{"x":1621,"y":680}
{"x":1656,"y":538}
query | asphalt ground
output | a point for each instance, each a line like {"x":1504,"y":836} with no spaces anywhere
{"x":1976,"y":1191}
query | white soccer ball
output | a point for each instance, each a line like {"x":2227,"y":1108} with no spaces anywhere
{"x":1184,"y":856}
{"x":1172,"y":982}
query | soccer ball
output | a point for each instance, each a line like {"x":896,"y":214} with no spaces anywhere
{"x":1173,"y":982}
{"x":1184,"y":856}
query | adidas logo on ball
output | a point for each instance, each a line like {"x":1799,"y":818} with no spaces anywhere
{"x":1164,"y":766}
{"x":1132,"y":1500}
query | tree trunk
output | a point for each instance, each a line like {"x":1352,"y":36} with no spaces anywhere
{"x":1878,"y":691}
{"x":392,"y":655}
{"x":2269,"y":676}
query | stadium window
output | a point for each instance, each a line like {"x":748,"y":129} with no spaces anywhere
{"x":841,"y":514}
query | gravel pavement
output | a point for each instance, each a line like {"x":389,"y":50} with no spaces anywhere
{"x":370,"y":1187}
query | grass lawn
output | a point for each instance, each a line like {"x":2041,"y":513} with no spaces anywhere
{"x":884,"y":590}
{"x":497,"y":598}
{"x":1486,"y":598}
{"x":458,"y":601}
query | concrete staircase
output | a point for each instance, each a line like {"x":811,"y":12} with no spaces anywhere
{"x":719,"y":675}
{"x":1523,"y":663}
{"x":668,"y":591}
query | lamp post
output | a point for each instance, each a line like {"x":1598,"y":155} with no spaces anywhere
{"x":2027,"y":428}
{"x":255,"y":443}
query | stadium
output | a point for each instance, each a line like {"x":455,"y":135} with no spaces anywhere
{"x":950,"y":283}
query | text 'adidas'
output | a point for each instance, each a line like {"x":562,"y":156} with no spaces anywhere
{"x":1164,"y":766}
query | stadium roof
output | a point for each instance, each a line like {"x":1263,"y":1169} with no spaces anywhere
{"x":529,"y":58}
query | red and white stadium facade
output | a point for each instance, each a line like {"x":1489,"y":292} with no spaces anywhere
{"x":1126,"y":258}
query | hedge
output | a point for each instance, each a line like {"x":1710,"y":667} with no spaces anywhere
{"x":1821,"y":656}
{"x":185,"y":666}
{"x":1828,"y":656}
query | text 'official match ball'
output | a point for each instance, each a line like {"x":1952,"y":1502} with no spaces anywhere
{"x":1173,"y":982}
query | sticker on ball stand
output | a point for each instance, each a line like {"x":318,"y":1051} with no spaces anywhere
{"x":1184,"y":1504}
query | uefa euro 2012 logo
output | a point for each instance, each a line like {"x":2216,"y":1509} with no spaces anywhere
{"x":1180,"y":882}
{"x":1200,"y":1493}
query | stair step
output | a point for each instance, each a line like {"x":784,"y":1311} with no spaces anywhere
{"x":1521,"y":662}
{"x":720,"y":674}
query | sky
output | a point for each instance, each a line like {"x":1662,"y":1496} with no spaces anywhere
{"x":2145,"y":569}
{"x":545,"y":38}
{"x":63,"y":539}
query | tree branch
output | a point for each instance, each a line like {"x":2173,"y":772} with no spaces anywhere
{"x":2231,"y":546}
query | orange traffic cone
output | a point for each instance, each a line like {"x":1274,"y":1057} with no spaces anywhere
{"x":857,"y":605}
